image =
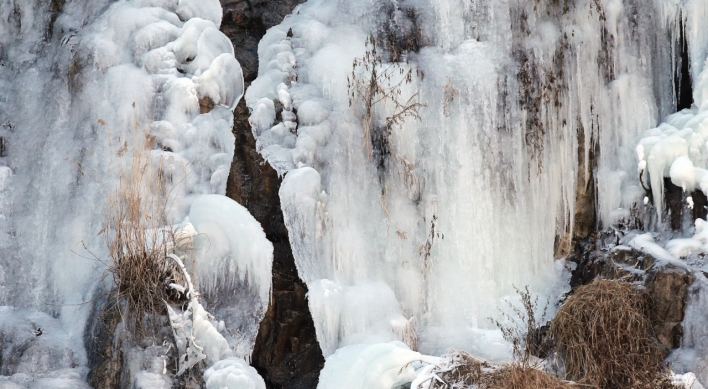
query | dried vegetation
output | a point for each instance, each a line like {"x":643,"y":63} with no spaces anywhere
{"x":516,"y":376}
{"x":465,"y":371}
{"x":375,"y":86}
{"x":138,"y":236}
{"x":604,"y":335}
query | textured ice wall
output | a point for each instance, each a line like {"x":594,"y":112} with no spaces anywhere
{"x":449,"y":211}
{"x":78,"y":85}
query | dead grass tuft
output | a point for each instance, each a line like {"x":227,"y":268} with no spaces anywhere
{"x":138,"y":236}
{"x":524,"y":333}
{"x":516,"y":376}
{"x":464,"y":371}
{"x":461,"y":371}
{"x":604,"y":335}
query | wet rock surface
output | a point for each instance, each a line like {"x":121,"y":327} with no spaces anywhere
{"x":286,"y":352}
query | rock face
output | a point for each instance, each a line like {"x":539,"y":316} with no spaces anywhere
{"x":666,"y":286}
{"x":246,"y":21}
{"x":103,"y":347}
{"x":286,"y":352}
{"x":667,"y":289}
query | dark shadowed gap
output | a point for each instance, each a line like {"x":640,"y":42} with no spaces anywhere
{"x":286,"y":352}
{"x":682,"y":82}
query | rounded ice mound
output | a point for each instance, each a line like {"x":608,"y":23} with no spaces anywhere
{"x":233,"y":373}
{"x":231,"y":245}
{"x":371,"y":366}
{"x":205,"y":9}
{"x":223,"y":81}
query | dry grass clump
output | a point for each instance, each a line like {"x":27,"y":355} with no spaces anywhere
{"x":464,"y":371}
{"x":137,"y":239}
{"x":516,"y":376}
{"x":461,"y":370}
{"x":604,"y":335}
{"x":524,"y":334}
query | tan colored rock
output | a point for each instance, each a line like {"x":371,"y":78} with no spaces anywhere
{"x":584,"y":218}
{"x":667,"y":287}
{"x":206,"y":104}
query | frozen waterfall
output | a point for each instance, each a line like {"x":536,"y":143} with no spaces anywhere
{"x":433,"y":220}
{"x":80,"y":82}
{"x":435,"y":154}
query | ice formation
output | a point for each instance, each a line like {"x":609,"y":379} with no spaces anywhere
{"x":412,"y":213}
{"x":76,"y":88}
{"x":444,"y":214}
{"x":198,"y":339}
{"x":50,"y":357}
{"x":232,"y":246}
{"x":233,"y":373}
{"x":377,"y":366}
{"x":677,"y":150}
{"x":527,"y":105}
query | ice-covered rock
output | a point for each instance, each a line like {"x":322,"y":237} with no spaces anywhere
{"x":37,"y":352}
{"x":232,"y":373}
{"x":377,"y":366}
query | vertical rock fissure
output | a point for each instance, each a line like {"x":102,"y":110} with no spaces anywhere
{"x":682,"y":81}
{"x":286,"y":352}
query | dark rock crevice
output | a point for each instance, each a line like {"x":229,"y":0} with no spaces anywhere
{"x":286,"y":352}
{"x":682,"y":81}
{"x":103,"y":349}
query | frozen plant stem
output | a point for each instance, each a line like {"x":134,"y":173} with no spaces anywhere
{"x":372,"y":84}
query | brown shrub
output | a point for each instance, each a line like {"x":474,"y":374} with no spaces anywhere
{"x":604,"y":335}
{"x":525,"y":334}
